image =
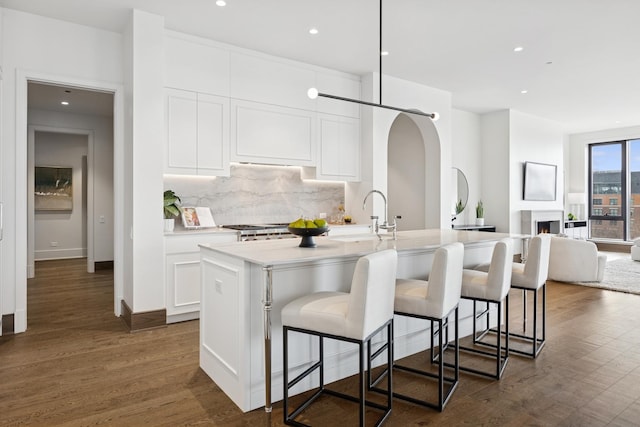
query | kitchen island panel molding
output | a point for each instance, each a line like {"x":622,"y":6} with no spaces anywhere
{"x":224,"y":334}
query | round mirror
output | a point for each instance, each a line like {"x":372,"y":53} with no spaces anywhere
{"x":460,"y":191}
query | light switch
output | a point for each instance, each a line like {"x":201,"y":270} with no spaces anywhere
{"x":101,"y":219}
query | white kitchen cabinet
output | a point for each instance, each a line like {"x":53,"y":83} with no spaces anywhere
{"x":339,"y":148}
{"x":197,"y":133}
{"x":270,"y":80}
{"x":182,"y":272}
{"x":195,"y":64}
{"x":263,"y":133}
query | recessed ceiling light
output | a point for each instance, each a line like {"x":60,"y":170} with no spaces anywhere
{"x":64,"y":102}
{"x":518,"y":49}
{"x":384,"y":53}
{"x":313,"y":31}
{"x":524,"y":91}
{"x":221,"y":3}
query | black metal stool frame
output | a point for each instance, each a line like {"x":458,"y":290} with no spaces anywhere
{"x":501,"y":361}
{"x":536,"y":343}
{"x":452,"y":383}
{"x":289,"y":419}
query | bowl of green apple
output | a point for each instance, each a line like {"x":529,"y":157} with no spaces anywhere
{"x":308,"y":229}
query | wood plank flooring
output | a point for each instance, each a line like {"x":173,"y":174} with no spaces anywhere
{"x":78,"y":366}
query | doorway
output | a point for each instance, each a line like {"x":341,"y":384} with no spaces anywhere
{"x":46,"y":113}
{"x":413,"y":172}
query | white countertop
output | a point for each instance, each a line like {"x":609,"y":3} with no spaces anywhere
{"x":181,"y":231}
{"x":287,"y":251}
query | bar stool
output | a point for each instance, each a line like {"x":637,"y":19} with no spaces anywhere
{"x":354,"y":317}
{"x":532,"y":277}
{"x":491,"y":287}
{"x":434,"y":300}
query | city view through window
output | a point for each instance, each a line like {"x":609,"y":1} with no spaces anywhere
{"x":614,"y":192}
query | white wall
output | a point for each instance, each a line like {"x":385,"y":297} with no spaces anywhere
{"x":510,"y":138}
{"x":495,"y":190}
{"x":56,"y":51}
{"x":537,"y":140}
{"x":102,"y":129}
{"x":466,"y":142}
{"x":66,"y":229}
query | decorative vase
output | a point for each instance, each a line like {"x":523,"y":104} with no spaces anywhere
{"x":479,"y":221}
{"x":169,"y":224}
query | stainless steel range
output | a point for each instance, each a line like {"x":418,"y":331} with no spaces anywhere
{"x":249,"y":232}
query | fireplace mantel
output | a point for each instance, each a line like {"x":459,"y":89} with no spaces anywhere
{"x":529,"y":220}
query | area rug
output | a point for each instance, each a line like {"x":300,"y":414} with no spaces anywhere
{"x":621,"y":275}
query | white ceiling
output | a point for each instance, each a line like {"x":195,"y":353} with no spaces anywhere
{"x":580,"y":63}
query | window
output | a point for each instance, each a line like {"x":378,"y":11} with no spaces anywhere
{"x":614,"y":180}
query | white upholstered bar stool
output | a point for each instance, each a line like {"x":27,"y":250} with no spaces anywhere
{"x":434,"y":300}
{"x":531,"y":277}
{"x":354,"y":317}
{"x":491,"y":287}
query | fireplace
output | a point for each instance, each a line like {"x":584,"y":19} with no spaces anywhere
{"x":536,"y":222}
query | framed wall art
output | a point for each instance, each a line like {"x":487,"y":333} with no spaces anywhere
{"x":53,"y":188}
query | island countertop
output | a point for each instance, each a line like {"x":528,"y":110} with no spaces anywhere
{"x":287,"y":251}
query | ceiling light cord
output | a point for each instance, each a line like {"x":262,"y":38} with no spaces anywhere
{"x":313,"y":93}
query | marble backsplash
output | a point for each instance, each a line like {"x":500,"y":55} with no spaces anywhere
{"x":258,"y":194}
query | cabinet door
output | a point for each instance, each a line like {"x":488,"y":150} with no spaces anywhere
{"x":183,"y":283}
{"x":264,"y":133}
{"x":339,"y":148}
{"x":213,"y":135}
{"x":181,"y":121}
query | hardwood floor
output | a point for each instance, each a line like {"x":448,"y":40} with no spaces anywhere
{"x":77,"y":365}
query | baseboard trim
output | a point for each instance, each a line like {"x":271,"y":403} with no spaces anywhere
{"x":8,"y":321}
{"x":103,"y":265}
{"x":144,"y":320}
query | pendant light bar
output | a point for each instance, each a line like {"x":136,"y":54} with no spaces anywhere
{"x":313,"y":92}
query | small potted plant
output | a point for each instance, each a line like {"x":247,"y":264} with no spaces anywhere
{"x":479,"y":213}
{"x":171,"y":209}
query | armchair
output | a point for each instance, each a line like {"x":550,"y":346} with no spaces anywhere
{"x":573,"y":260}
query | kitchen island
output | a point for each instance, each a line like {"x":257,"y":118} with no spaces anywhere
{"x":245,"y":285}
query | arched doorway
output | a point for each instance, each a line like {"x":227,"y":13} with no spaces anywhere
{"x":413,"y":172}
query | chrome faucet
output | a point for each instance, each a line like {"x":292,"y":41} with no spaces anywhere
{"x":385,"y":225}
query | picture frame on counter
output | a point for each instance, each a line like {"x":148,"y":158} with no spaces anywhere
{"x":197,"y":217}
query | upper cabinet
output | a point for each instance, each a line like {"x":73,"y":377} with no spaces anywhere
{"x":197,"y":133}
{"x":269,"y":81}
{"x":229,"y":104}
{"x":339,"y":148}
{"x":195,"y":64}
{"x":263,"y":133}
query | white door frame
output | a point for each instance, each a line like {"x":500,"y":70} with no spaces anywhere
{"x":31,"y":198}
{"x":23,"y":77}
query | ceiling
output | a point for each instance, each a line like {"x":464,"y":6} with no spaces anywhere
{"x":580,"y":64}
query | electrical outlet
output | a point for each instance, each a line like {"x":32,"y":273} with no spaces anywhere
{"x":54,"y":244}
{"x":101,"y":219}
